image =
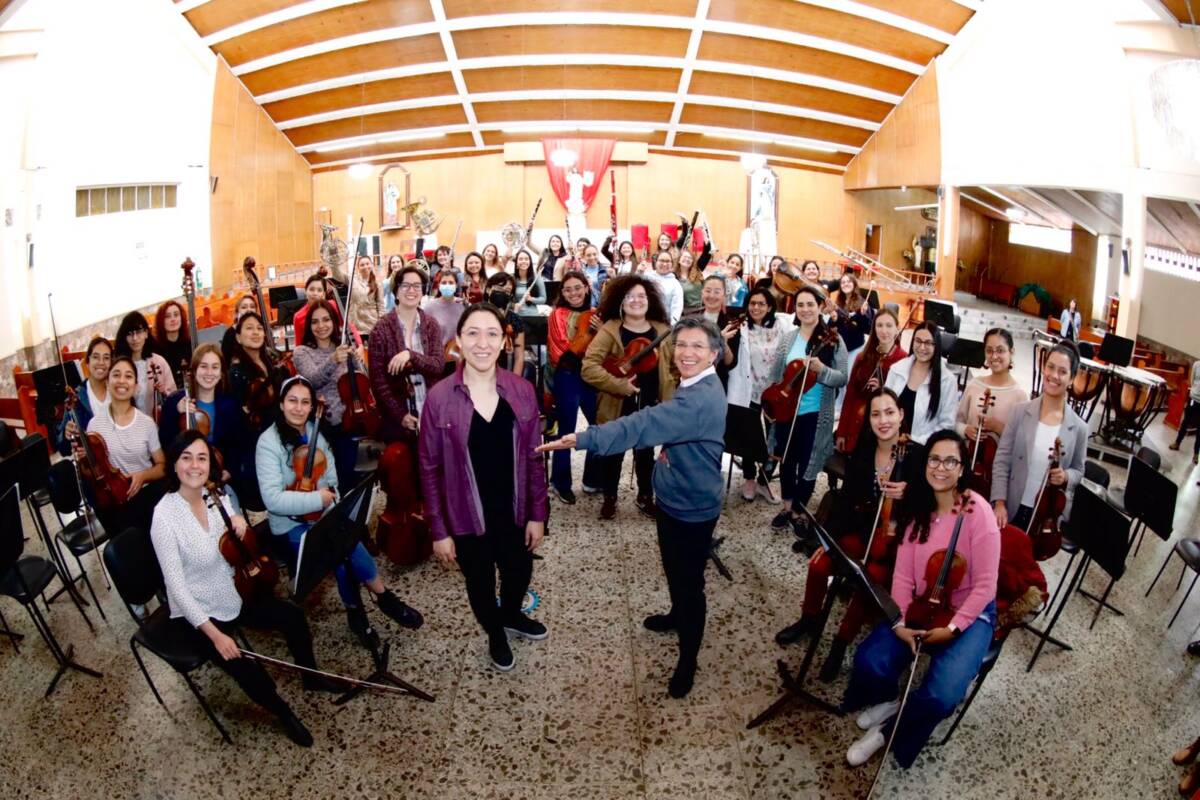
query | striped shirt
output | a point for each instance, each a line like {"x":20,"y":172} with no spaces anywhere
{"x":131,"y":448}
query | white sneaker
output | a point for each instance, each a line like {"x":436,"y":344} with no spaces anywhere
{"x":877,"y":715}
{"x":866,"y":746}
{"x":764,"y":491}
{"x":748,"y":490}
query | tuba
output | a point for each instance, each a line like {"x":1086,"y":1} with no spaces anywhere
{"x":424,"y":220}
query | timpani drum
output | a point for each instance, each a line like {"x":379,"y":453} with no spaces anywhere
{"x":1134,"y":398}
{"x":1084,"y":391}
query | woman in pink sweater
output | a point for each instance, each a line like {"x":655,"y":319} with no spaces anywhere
{"x":928,"y":515}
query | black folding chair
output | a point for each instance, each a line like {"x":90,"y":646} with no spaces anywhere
{"x":25,"y":578}
{"x":81,"y":535}
{"x":133,"y":567}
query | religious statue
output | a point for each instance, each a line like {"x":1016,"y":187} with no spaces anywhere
{"x":576,"y":181}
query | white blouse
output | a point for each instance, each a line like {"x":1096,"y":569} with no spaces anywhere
{"x":199,"y":580}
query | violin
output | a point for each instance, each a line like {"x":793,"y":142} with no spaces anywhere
{"x":254,"y":573}
{"x":361,"y":416}
{"x":983,"y":449}
{"x":451,"y":351}
{"x":640,"y":357}
{"x":1044,"y":531}
{"x":856,"y":416}
{"x":193,"y":419}
{"x":883,"y":541}
{"x":262,"y":397}
{"x":780,"y":400}
{"x":585,"y":331}
{"x":110,"y":486}
{"x":155,"y":370}
{"x":402,"y":533}
{"x":309,"y":463}
{"x":944,"y":571}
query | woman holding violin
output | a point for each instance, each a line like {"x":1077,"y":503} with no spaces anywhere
{"x":853,"y":317}
{"x":870,"y":371}
{"x":804,"y":437}
{"x":877,"y":475}
{"x":154,"y":375}
{"x":322,"y":361}
{"x":365,"y":298}
{"x":134,"y":456}
{"x":483,"y":483}
{"x":92,"y":396}
{"x":939,"y":516}
{"x":758,"y":345}
{"x":206,"y":609}
{"x":927,"y":389}
{"x":407,"y":357}
{"x":245,"y":304}
{"x":280,"y":457}
{"x":474,"y":279}
{"x":172,"y":337}
{"x":633,"y":318}
{"x":569,"y":331}
{"x":255,"y":371}
{"x":987,"y":405}
{"x":1023,"y":463}
{"x":669,"y":289}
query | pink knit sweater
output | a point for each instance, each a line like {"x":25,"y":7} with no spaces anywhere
{"x":979,"y":544}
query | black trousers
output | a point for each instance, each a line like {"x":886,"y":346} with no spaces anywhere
{"x":502,"y":549}
{"x":137,"y":512}
{"x":274,"y":614}
{"x":1191,"y":419}
{"x":643,"y":466}
{"x":792,"y":483}
{"x":684,"y":547}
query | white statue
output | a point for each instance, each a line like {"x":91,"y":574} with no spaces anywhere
{"x":576,"y":182}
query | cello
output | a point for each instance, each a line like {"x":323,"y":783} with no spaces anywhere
{"x":1044,"y":531}
{"x":983,"y":449}
{"x":780,"y":400}
{"x":309,"y":463}
{"x":263,"y":394}
{"x":254,"y":573}
{"x":403,"y":534}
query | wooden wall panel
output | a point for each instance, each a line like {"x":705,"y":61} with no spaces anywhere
{"x":263,"y":203}
{"x":1065,"y":275}
{"x":469,"y":8}
{"x":879,"y":208}
{"x":780,"y":124}
{"x":792,"y":94}
{"x":517,"y":41}
{"x":974,"y":239}
{"x":349,"y":61}
{"x":907,"y":148}
{"x":465,"y":187}
{"x":437,"y":85}
{"x":509,"y":79}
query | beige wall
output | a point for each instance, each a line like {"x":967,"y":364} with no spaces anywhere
{"x":486,"y":193}
{"x":1170,"y":305}
{"x":878,"y":207}
{"x":907,"y":148}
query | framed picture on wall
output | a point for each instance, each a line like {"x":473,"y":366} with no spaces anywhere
{"x":394,"y":184}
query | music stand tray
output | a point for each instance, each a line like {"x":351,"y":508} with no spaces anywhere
{"x":326,"y":546}
{"x":845,"y":569}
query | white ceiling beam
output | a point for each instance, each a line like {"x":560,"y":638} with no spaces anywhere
{"x":1074,"y":218}
{"x":734,"y":153}
{"x":1093,"y":207}
{"x":689,"y":64}
{"x":466,"y":151}
{"x":1031,"y":212}
{"x":579,"y":59}
{"x":577,"y":94}
{"x":439,"y":15}
{"x":184,"y":6}
{"x":561,"y":18}
{"x":979,"y":202}
{"x":275,"y":18}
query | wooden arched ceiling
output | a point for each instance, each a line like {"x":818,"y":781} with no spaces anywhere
{"x":806,"y":83}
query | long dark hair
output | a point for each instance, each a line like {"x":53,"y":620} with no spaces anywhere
{"x":131,"y":322}
{"x":919,"y":503}
{"x":287,"y":434}
{"x":310,"y":338}
{"x":769,"y":319}
{"x":577,"y":275}
{"x":935,"y":367}
{"x":175,"y":449}
{"x":870,"y":356}
{"x":818,"y":334}
{"x":867,"y":440}
{"x":614,"y":295}
{"x":242,"y":356}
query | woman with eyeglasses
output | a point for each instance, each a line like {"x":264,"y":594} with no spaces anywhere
{"x":669,"y":289}
{"x":93,"y":394}
{"x":927,"y":389}
{"x":1006,"y":393}
{"x":154,"y":377}
{"x":1022,"y":460}
{"x":296,"y":425}
{"x":926,"y":521}
{"x":869,"y":374}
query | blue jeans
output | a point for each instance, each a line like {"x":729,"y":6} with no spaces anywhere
{"x":882,"y":659}
{"x":571,"y":395}
{"x":361,"y":565}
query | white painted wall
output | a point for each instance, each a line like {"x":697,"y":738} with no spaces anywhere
{"x":120,"y":92}
{"x":1169,"y":311}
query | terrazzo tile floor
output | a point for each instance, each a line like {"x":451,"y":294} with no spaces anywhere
{"x":585,"y":713}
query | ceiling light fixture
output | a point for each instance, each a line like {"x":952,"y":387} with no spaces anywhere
{"x":752,"y":162}
{"x":1014,"y":213}
{"x":360,"y":170}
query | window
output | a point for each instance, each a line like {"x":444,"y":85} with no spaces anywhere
{"x":112,"y":199}
{"x":1173,"y":262}
{"x":1036,"y":236}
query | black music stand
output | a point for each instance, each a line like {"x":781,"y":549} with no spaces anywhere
{"x":328,"y":545}
{"x":941,"y":314}
{"x":1116,"y":350}
{"x":1101,"y":531}
{"x":845,"y":569}
{"x":52,"y":389}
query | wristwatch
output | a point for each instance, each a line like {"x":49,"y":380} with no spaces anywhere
{"x":954,"y":631}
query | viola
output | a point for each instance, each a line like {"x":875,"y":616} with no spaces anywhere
{"x":983,"y":449}
{"x":944,"y":571}
{"x":857,"y":414}
{"x":309,"y":463}
{"x":110,"y":486}
{"x":262,"y":397}
{"x":1044,"y":531}
{"x":155,"y":371}
{"x":403,"y":534}
{"x":780,"y":400}
{"x":254,"y":573}
{"x":884,"y":539}
{"x":640,"y":357}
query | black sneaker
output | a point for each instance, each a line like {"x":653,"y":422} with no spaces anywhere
{"x":795,"y":632}
{"x":295,"y":730}
{"x":659,"y":623}
{"x":360,"y":626}
{"x":781,"y":520}
{"x":591,"y":489}
{"x":501,"y":653}
{"x":565,"y":495}
{"x":526,"y":628}
{"x":682,"y":680}
{"x":645,"y":504}
{"x":608,"y":509}
{"x":404,"y":615}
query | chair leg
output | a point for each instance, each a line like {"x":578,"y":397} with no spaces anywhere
{"x":1062,"y":580}
{"x":1141,"y":536}
{"x":1182,"y":572}
{"x":13,"y":636}
{"x":69,"y":585}
{"x":145,"y":674}
{"x":1191,"y":586}
{"x":88,"y":582}
{"x":204,"y":704}
{"x":1161,"y":570}
{"x":43,"y":628}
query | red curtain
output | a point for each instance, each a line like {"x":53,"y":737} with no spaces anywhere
{"x":593,"y":156}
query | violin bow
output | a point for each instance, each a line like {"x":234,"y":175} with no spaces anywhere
{"x":288,"y":666}
{"x":912,"y":673}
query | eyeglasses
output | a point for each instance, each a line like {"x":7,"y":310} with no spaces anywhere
{"x":944,"y":464}
{"x":410,"y":287}
{"x":995,"y":351}
{"x":924,"y":344}
{"x":762,"y":303}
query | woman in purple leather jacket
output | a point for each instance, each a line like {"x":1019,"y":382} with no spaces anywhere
{"x":484,"y":486}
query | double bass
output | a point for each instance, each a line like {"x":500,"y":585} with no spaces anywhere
{"x":1044,"y":531}
{"x":254,"y":573}
{"x":983,"y":448}
{"x":780,"y":400}
{"x":403,"y":534}
{"x":309,"y":463}
{"x":262,"y":396}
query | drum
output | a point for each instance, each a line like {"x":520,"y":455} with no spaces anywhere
{"x":1042,"y":343}
{"x":1135,"y":393}
{"x":1089,"y":382}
